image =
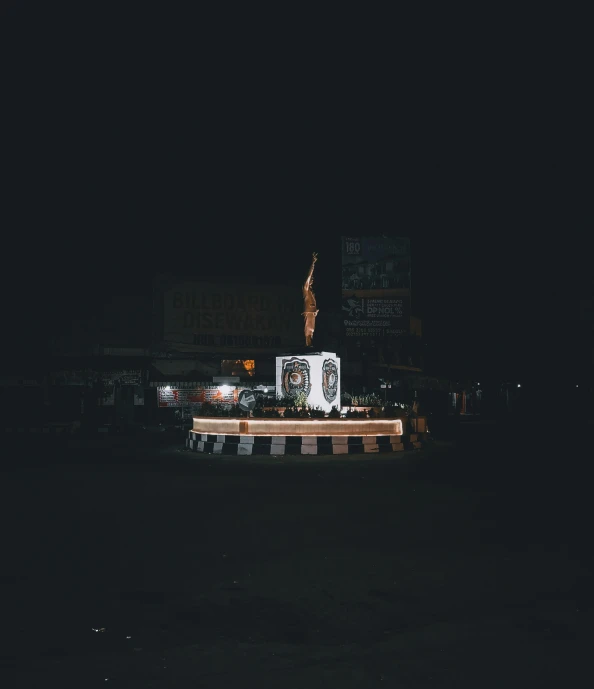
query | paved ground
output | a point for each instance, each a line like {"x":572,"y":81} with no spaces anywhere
{"x":465,"y":565}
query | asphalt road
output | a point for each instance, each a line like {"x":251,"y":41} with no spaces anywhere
{"x":464,"y":565}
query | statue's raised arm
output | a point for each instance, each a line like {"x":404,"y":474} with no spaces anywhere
{"x":314,"y":258}
{"x":310,"y":310}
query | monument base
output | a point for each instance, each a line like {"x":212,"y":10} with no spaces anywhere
{"x":215,"y":435}
{"x":311,"y":376}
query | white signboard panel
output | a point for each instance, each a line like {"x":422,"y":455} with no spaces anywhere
{"x":316,"y":375}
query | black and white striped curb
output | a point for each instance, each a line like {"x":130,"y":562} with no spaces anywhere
{"x":300,"y":444}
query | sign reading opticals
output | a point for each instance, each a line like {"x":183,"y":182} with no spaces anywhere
{"x":363,"y":317}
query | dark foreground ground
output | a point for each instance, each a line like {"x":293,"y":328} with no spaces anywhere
{"x":464,"y":565}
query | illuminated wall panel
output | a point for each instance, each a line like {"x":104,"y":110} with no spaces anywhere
{"x":316,"y":375}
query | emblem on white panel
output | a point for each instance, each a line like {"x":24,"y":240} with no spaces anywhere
{"x":296,"y":376}
{"x":330,"y":380}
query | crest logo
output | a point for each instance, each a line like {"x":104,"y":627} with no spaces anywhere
{"x":330,"y":380}
{"x":296,"y":376}
{"x":354,"y":307}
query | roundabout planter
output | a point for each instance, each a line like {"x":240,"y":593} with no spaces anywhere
{"x":274,"y":436}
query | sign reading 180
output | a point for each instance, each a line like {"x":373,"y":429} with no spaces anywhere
{"x":353,"y":246}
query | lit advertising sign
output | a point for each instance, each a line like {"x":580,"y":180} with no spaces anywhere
{"x":375,"y":263}
{"x":364,"y":317}
{"x":174,"y":397}
{"x":375,"y":286}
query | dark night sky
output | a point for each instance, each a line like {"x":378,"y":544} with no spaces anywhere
{"x":237,"y":143}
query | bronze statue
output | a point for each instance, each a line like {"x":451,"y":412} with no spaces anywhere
{"x":309,"y":304}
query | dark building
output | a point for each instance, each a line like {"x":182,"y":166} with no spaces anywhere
{"x":93,"y":371}
{"x":158,"y":357}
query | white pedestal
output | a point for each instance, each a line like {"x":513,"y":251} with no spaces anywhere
{"x":316,"y":374}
